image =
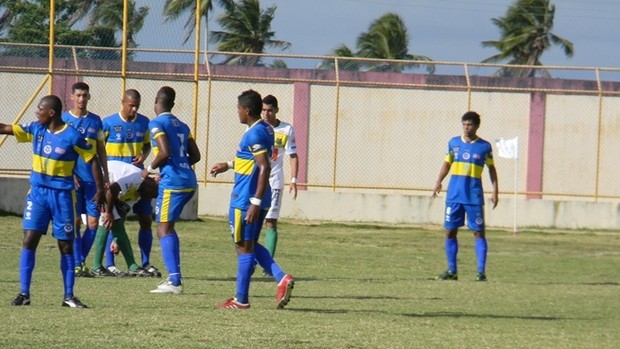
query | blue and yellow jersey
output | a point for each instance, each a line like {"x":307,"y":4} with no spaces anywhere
{"x":54,"y":154}
{"x":176,"y":172}
{"x":125,"y":139}
{"x":467,"y":163}
{"x":257,"y":139}
{"x":91,"y":128}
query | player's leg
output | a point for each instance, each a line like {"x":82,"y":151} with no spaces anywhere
{"x":36,"y":218}
{"x":77,"y":241}
{"x":454,"y":217}
{"x":475,"y":222}
{"x":169,"y":206}
{"x":99,"y":248}
{"x":92,"y":220}
{"x":271,"y":221}
{"x":144,"y":210}
{"x":120,"y":234}
{"x":62,"y":205}
{"x":243,"y":236}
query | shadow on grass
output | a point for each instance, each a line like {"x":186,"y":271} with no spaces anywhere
{"x":437,"y":315}
{"x":487,"y":316}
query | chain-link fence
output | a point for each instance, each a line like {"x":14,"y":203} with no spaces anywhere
{"x":381,"y":130}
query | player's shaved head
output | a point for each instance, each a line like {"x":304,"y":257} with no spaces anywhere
{"x":133,"y":94}
{"x":54,"y":103}
{"x":166,"y":96}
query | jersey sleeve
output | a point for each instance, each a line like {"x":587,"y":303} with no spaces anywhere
{"x":488,"y":159}
{"x":257,"y":145}
{"x":449,"y":158}
{"x":85,"y":149}
{"x":155,"y":129}
{"x":22,"y":133}
{"x":291,"y":146}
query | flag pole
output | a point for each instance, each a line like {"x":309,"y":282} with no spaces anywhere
{"x":514,"y":229}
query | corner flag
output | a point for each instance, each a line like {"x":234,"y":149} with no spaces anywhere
{"x":508,"y":148}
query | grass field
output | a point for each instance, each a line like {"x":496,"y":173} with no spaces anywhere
{"x":358,"y":286}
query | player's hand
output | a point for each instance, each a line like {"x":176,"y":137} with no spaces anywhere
{"x":436,"y":190}
{"x":494,"y":200}
{"x":218,"y":168}
{"x":252,"y":214}
{"x":99,"y":199}
{"x":293,"y":190}
{"x":108,"y":220}
{"x":114,"y":247}
{"x":138,"y":160}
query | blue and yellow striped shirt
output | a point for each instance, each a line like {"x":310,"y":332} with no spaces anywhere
{"x":257,"y":139}
{"x":91,"y":128}
{"x":125,"y":139}
{"x":54,"y":154}
{"x":467,"y":163}
{"x":176,"y":172}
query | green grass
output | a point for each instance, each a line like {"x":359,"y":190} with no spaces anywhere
{"x":358,"y":286}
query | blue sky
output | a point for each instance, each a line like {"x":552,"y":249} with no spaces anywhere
{"x":445,"y":30}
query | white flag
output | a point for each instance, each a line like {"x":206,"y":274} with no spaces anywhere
{"x":508,"y":148}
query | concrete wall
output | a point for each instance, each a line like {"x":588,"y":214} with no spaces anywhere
{"x":414,"y":209}
{"x":383,"y":208}
{"x":13,"y":191}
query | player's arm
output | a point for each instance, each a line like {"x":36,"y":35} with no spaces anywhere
{"x":294,"y":169}
{"x":443,"y":172}
{"x":493,"y":176}
{"x":163,"y":151}
{"x":96,"y":167}
{"x":110,"y":198}
{"x":103,"y":160}
{"x":139,"y":160}
{"x":6,"y":129}
{"x":221,"y":167}
{"x":192,"y":151}
{"x":264,"y":169}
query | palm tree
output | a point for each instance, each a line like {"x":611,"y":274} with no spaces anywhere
{"x":109,"y":14}
{"x":525,"y":35}
{"x":246,"y":28}
{"x":341,"y":52}
{"x":173,"y":9}
{"x":9,"y":13}
{"x":386,"y":38}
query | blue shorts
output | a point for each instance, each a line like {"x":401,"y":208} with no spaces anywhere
{"x":455,"y":216}
{"x":170,"y":203}
{"x":44,"y":205}
{"x":240,"y":230}
{"x":85,"y":204}
{"x":143,"y":207}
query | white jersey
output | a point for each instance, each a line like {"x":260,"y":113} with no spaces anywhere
{"x":128,"y":177}
{"x":284,"y":143}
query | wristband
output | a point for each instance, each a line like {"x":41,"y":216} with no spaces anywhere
{"x":294,"y":180}
{"x":230,"y":164}
{"x":255,"y":201}
{"x":150,"y":169}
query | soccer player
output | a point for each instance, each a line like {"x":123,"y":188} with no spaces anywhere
{"x":175,"y":152}
{"x":56,"y":149}
{"x":284,"y":143}
{"x":126,"y":135}
{"x":126,"y":185}
{"x":250,"y":200}
{"x":89,"y":126}
{"x":466,"y":155}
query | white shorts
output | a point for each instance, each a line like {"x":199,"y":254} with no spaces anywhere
{"x":276,"y":203}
